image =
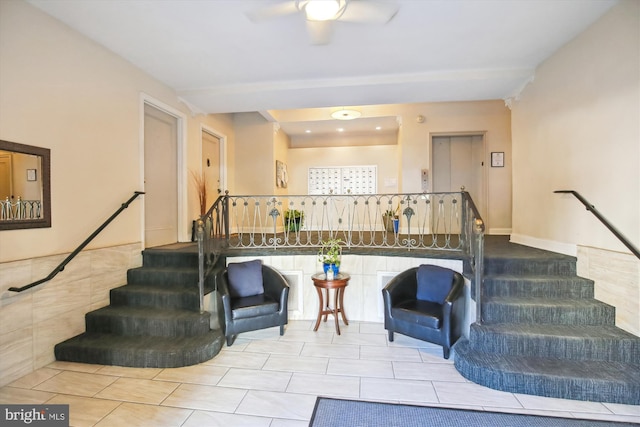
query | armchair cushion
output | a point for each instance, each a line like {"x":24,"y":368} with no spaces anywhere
{"x":245,"y":278}
{"x":434,"y":283}
{"x":253,"y":306}
{"x":418,"y":312}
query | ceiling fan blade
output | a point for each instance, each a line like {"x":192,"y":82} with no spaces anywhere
{"x":320,"y":31}
{"x":273,"y":11}
{"x":369,"y":11}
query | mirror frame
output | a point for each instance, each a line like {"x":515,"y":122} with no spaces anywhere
{"x":45,"y":153}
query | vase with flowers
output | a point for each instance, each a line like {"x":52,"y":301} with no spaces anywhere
{"x":330,"y":255}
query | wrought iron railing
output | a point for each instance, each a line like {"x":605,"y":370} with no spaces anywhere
{"x":408,"y":221}
{"x":21,"y":209}
{"x":212,"y":233}
{"x":473,"y":240}
{"x":443,"y":222}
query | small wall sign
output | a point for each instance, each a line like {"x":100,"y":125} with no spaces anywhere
{"x":497,"y":159}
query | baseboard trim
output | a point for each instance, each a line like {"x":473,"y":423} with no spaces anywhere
{"x":549,"y":245}
{"x":499,"y":231}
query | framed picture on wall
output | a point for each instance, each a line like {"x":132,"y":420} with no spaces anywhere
{"x":497,"y":159}
{"x":32,"y":175}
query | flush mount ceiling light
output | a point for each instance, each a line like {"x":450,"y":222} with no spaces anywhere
{"x":346,"y":114}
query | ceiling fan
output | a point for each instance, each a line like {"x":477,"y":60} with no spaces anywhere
{"x":321,"y":14}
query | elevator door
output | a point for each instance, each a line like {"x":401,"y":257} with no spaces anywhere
{"x":458,"y":162}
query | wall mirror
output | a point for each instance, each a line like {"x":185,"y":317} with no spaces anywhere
{"x":25,"y":187}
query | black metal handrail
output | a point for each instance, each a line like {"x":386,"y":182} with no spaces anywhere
{"x":68,"y":259}
{"x":591,"y":208}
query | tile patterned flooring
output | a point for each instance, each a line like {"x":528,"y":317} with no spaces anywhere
{"x":272,"y":381}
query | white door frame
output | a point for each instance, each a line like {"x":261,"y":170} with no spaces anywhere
{"x":223,"y":153}
{"x":181,"y":157}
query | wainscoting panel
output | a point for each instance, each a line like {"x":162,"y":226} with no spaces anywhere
{"x":296,"y":296}
{"x":34,"y":321}
{"x":383,"y":277}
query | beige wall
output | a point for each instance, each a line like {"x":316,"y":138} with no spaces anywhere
{"x":258,"y":144}
{"x":577,"y":127}
{"x":301,"y":159}
{"x":254,"y":156}
{"x":61,"y":91}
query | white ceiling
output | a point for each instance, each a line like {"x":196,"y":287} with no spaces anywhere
{"x":219,"y":61}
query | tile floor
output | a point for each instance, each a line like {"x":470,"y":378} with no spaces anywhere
{"x":268,"y":380}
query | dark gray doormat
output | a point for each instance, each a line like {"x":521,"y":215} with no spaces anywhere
{"x":352,"y":413}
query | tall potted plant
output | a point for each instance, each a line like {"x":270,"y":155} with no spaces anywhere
{"x":201,"y":188}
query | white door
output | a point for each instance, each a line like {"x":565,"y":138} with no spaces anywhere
{"x":160,"y":177}
{"x":457,"y":163}
{"x":211,"y":166}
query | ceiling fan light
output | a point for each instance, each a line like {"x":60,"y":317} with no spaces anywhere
{"x":346,"y":114}
{"x":323,"y":10}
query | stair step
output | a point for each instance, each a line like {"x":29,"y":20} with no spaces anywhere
{"x":590,"y":380}
{"x":547,"y":311}
{"x":604,"y":343}
{"x":538,"y":286}
{"x":172,"y":257}
{"x":173,"y":298}
{"x":164,"y":276}
{"x":558,"y":265}
{"x":141,"y":352}
{"x":144,"y":321}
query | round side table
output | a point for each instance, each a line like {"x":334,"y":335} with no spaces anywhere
{"x":338,"y":284}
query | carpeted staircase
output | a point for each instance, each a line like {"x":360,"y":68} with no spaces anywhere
{"x":153,"y":321}
{"x":544,"y":334}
